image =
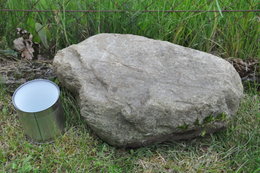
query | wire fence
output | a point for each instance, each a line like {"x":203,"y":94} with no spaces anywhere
{"x":121,"y":11}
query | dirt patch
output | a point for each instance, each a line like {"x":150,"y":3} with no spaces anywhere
{"x":14,"y":73}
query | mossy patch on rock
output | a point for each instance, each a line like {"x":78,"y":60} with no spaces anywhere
{"x":211,"y":118}
{"x":183,"y":127}
{"x":221,"y":117}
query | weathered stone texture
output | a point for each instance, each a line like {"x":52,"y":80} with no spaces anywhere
{"x":134,"y":91}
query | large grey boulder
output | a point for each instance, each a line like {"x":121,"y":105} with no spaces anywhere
{"x":135,"y":91}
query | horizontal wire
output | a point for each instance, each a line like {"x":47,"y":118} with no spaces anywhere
{"x":121,"y":11}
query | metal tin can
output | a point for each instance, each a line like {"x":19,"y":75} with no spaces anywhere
{"x":39,"y":109}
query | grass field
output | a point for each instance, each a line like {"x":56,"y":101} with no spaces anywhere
{"x":223,"y":34}
{"x":236,"y":149}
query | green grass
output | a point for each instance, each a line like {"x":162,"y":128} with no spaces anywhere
{"x":223,"y":34}
{"x":236,"y":149}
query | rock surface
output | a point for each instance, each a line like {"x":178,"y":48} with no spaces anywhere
{"x":134,"y":91}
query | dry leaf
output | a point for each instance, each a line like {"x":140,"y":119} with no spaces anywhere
{"x":248,"y":69}
{"x":24,"y":44}
{"x":27,"y":53}
{"x":18,"y":44}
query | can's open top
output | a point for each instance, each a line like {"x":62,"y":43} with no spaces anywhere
{"x":36,"y":96}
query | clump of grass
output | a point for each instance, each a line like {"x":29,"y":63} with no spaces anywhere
{"x":210,"y":32}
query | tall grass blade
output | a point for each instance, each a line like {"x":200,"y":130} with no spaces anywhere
{"x":41,"y":30}
{"x":219,"y":9}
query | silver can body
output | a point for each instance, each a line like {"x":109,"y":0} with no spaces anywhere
{"x":44,"y":124}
